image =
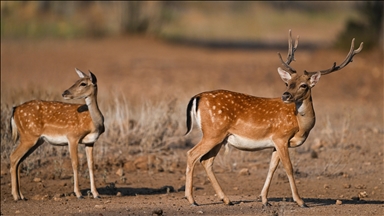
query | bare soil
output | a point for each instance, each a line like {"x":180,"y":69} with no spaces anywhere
{"x":339,"y":170}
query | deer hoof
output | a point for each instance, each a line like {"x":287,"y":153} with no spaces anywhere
{"x":266,"y":204}
{"x":194,"y":204}
{"x":229,"y":203}
{"x":21,"y":198}
{"x":304,"y":206}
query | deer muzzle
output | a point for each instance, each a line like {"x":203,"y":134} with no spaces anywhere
{"x":66,"y":94}
{"x":286,"y":97}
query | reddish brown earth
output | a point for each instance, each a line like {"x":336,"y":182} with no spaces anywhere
{"x":339,"y":170}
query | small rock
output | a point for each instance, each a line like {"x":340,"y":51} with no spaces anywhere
{"x":347,"y":186}
{"x":119,"y":194}
{"x":157,"y":212}
{"x":99,"y":206}
{"x":363,"y":194}
{"x":37,"y":179}
{"x":39,"y":197}
{"x":326,"y":186}
{"x":360,"y":186}
{"x":244,"y":171}
{"x":339,"y":202}
{"x":200,"y":212}
{"x":17,"y":212}
{"x":120,"y":172}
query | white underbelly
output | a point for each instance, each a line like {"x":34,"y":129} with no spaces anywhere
{"x":247,"y":144}
{"x":63,"y":140}
{"x":56,"y":140}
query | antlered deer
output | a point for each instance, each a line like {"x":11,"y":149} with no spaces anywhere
{"x":253,"y":123}
{"x":60,"y":124}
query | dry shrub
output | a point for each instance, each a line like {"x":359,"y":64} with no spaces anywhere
{"x":333,"y":141}
{"x":141,"y":128}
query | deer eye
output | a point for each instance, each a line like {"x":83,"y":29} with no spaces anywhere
{"x":83,"y":84}
{"x":303,"y":86}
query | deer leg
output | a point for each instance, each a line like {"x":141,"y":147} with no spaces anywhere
{"x":286,"y":161}
{"x":194,"y":155}
{"x":272,"y":168}
{"x":23,"y":150}
{"x":207,"y":162}
{"x":89,"y":152}
{"x":73,"y":151}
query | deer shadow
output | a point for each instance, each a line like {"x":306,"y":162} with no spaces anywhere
{"x":311,"y":202}
{"x":112,"y":190}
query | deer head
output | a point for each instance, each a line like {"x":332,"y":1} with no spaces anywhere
{"x":299,"y":86}
{"x":83,"y":88}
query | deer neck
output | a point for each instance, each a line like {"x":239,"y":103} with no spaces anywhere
{"x":94,"y":111}
{"x":306,"y":120}
{"x":305,"y":115}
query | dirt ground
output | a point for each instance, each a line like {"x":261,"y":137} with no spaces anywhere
{"x":338,"y":171}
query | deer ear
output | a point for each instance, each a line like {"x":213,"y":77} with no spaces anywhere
{"x":314,"y":79}
{"x":93,"y":77}
{"x":80,"y":73}
{"x":285,"y":76}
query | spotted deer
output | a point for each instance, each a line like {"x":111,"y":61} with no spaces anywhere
{"x":58,"y":123}
{"x":252,"y":123}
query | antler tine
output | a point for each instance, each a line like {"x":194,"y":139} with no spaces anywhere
{"x":346,"y":61}
{"x":291,"y":52}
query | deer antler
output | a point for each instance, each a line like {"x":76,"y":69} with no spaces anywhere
{"x":291,"y":53}
{"x":346,"y":61}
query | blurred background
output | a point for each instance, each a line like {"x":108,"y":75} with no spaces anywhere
{"x":243,"y":24}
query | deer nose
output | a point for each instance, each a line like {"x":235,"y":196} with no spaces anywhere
{"x":286,"y":96}
{"x":66,"y":92}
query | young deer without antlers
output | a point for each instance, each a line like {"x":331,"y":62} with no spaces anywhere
{"x":60,"y":124}
{"x":253,"y":123}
